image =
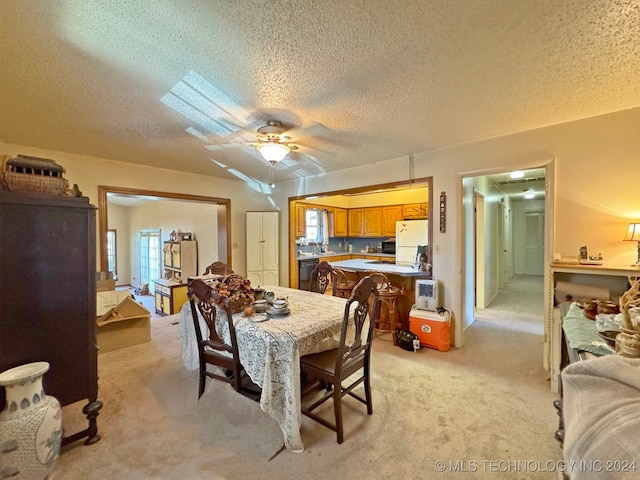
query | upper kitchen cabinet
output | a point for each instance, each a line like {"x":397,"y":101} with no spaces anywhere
{"x":372,"y":219}
{"x":340,"y":219}
{"x":262,"y":248}
{"x":415,"y":211}
{"x":356,"y":224}
{"x":301,"y":220}
{"x":391,"y":215}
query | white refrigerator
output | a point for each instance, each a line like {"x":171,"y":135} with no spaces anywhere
{"x":409,"y":235}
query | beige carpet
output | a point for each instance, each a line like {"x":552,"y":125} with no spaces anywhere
{"x":488,"y":402}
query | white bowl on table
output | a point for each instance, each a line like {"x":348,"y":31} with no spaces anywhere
{"x":279,"y":302}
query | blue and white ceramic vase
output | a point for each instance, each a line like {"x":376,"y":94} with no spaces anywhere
{"x":30,"y":425}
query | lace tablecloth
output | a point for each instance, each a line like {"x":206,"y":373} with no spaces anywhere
{"x":270,"y":351}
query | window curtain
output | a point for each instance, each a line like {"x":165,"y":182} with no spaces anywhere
{"x":324,"y":227}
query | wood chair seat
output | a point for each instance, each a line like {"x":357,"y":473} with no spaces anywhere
{"x":334,"y":367}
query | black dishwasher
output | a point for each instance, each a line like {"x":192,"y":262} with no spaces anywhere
{"x":304,"y":273}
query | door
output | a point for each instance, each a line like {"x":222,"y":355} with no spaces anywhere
{"x":502,"y":246}
{"x":534,"y":243}
{"x":150,"y":258}
{"x":254,"y":241}
{"x":262,"y":248}
{"x":270,"y":242}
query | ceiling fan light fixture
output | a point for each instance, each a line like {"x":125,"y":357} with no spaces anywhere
{"x":272,"y":151}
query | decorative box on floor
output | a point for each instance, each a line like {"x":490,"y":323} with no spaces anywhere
{"x":127,"y":324}
{"x":105,"y":301}
{"x":433,"y":330}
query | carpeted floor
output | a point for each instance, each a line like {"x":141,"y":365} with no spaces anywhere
{"x":484,"y":410}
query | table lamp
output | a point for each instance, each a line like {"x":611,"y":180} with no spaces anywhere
{"x":633,"y":234}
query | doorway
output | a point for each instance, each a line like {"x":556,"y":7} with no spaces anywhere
{"x":507,"y":232}
{"x":150,"y":258}
{"x":223,"y":216}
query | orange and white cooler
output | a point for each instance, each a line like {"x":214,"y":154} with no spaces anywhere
{"x":433,"y":330}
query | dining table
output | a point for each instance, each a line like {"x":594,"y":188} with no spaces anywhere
{"x":270,"y":349}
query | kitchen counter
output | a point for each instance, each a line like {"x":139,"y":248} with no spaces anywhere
{"x":364,"y":265}
{"x":328,"y":256}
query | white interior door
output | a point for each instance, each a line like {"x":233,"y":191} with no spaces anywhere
{"x":270,"y":243}
{"x":254,"y":241}
{"x":534,"y":243}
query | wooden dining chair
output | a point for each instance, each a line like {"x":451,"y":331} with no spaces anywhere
{"x":213,"y":350}
{"x":344,"y":282}
{"x":218,"y":268}
{"x":352,"y":359}
{"x":322,"y":276}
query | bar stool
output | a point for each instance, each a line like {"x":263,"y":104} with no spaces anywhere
{"x":388,"y":296}
{"x":345,"y":281}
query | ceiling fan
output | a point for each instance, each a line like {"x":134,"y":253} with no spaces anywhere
{"x":272,"y":143}
{"x":274,"y":140}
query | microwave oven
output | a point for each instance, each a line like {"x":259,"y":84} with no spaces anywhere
{"x":389,"y":247}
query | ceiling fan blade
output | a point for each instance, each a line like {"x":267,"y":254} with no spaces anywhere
{"x":314,"y":130}
{"x":222,"y":146}
{"x":308,"y":163}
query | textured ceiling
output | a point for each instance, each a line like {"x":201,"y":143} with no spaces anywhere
{"x":361,"y":81}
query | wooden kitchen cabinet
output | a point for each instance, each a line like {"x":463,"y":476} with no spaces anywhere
{"x":263,"y":266}
{"x":390,"y":215}
{"x":340,"y":222}
{"x":356,"y":222}
{"x":301,"y":220}
{"x":48,"y":306}
{"x":180,"y":260}
{"x":169,"y":296}
{"x":415,"y":210}
{"x":372,"y":222}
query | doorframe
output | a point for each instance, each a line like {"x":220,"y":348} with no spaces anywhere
{"x":295,"y":199}
{"x":467,"y":280}
{"x":479,"y":237}
{"x":223,"y":216}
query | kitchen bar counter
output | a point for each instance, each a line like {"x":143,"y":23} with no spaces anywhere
{"x":329,"y":256}
{"x":364,"y":265}
{"x":398,"y":275}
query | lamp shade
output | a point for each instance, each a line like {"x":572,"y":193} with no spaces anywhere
{"x":633,"y":233}
{"x":273,"y":152}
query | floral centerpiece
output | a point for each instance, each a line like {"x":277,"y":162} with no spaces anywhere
{"x":237,"y":289}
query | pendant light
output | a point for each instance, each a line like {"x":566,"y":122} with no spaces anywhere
{"x":273,"y":151}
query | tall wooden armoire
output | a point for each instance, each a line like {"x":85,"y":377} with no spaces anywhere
{"x":48,"y":295}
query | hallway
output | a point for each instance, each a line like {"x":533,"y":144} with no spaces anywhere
{"x":519,"y":306}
